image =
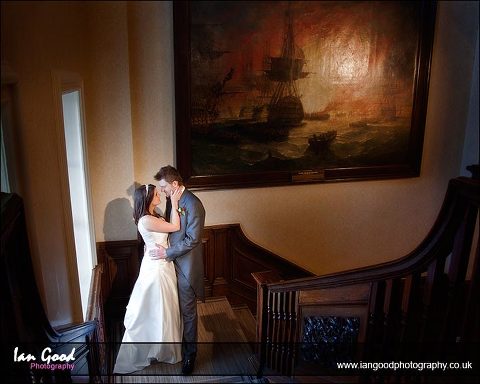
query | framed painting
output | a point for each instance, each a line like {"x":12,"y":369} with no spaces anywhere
{"x":278,"y":93}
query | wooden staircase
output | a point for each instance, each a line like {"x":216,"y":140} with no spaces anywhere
{"x":424,"y":307}
{"x":24,"y":323}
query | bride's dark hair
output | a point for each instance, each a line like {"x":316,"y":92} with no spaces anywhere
{"x":142,"y":198}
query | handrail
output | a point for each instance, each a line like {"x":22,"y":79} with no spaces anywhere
{"x":420,"y":256}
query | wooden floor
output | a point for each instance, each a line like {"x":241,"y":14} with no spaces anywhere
{"x":224,"y":354}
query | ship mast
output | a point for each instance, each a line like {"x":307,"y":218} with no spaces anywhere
{"x":285,"y":107}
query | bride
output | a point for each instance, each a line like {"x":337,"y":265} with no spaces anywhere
{"x":153,"y":325}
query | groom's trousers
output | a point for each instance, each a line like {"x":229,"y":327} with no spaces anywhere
{"x":188,"y":308}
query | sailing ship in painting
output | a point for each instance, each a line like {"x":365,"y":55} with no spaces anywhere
{"x":276,"y":106}
{"x":285,"y":108}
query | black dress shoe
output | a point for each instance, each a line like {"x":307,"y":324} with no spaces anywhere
{"x":188,"y":365}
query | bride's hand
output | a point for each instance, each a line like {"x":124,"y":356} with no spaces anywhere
{"x":175,"y":197}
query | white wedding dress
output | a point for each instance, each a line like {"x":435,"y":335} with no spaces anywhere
{"x":153,"y":326}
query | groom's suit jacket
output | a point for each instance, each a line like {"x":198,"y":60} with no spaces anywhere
{"x":186,"y":249}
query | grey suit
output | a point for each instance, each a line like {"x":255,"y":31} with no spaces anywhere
{"x":186,"y":252}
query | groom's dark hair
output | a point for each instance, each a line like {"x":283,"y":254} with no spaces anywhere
{"x":169,"y":174}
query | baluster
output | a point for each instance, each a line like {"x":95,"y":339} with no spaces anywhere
{"x":430,"y":293}
{"x":391,"y":310}
{"x":457,"y":271}
{"x":375,"y":321}
{"x":292,"y":331}
{"x":278,"y":326}
{"x":408,"y":308}
{"x":470,"y":329}
{"x":407,"y":315}
{"x":269,"y":332}
{"x":407,"y":287}
{"x":283,"y":331}
{"x":278,"y":359}
{"x":273,"y":362}
{"x":386,"y":310}
{"x":288,"y":331}
{"x":271,"y":329}
{"x":274,"y":331}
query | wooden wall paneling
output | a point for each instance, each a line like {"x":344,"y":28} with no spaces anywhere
{"x":208,"y":261}
{"x":242,"y":283}
{"x":229,"y":259}
{"x":220,"y":283}
{"x":247,"y":258}
{"x":121,"y":263}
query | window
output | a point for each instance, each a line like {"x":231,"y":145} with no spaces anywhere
{"x":4,"y":167}
{"x":8,"y":153}
{"x":75,"y":185}
{"x":77,"y":181}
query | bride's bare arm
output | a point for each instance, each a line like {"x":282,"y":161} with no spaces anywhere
{"x":158,"y":224}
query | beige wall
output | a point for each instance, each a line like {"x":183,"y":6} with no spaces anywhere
{"x":126,"y":59}
{"x":33,"y":56}
{"x":108,"y":99}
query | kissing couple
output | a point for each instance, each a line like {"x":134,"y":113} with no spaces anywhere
{"x":161,"y":319}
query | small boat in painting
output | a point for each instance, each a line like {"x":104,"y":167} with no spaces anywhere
{"x":321,"y":140}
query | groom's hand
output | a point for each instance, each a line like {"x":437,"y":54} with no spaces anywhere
{"x":158,"y":253}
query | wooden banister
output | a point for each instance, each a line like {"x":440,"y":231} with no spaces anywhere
{"x":423,"y":297}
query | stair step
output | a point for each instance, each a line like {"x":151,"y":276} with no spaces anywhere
{"x":218,"y":323}
{"x":247,"y":322}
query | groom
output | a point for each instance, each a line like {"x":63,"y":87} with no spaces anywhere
{"x":187,"y":253}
